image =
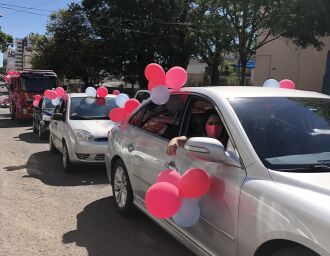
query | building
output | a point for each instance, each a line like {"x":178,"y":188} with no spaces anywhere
{"x":282,"y":59}
{"x":21,"y":57}
{"x":9,"y":60}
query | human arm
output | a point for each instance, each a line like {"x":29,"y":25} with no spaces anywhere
{"x":174,"y":144}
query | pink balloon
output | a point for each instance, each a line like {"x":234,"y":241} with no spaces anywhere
{"x":152,"y":85}
{"x":37,"y":97}
{"x":60,"y":92}
{"x":163,"y":200}
{"x":116,"y":92}
{"x":46,"y":93}
{"x":102,"y":92}
{"x":176,"y":78}
{"x":35,"y":103}
{"x":10,"y":73}
{"x":155,"y":74}
{"x":117,"y":114}
{"x":131,"y":105}
{"x":49,"y":94}
{"x":194,"y":183}
{"x":287,"y":84}
{"x":170,"y":176}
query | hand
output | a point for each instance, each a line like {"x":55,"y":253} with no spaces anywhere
{"x":172,"y":147}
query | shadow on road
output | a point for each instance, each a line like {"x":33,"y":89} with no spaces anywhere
{"x":47,"y":167}
{"x":8,"y":123}
{"x":30,"y":137}
{"x":102,"y":231}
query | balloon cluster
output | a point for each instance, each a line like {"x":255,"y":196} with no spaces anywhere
{"x":55,"y":95}
{"x":178,"y":196}
{"x":101,"y":92}
{"x":11,"y":74}
{"x":126,"y":107}
{"x":160,"y":82}
{"x":285,"y":84}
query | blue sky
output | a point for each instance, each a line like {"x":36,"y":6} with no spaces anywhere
{"x":20,"y":24}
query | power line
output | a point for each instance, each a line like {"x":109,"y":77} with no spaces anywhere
{"x":34,"y":13}
{"x":24,"y":7}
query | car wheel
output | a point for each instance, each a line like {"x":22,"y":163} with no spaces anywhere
{"x":67,"y":164}
{"x":294,"y":251}
{"x":35,"y":130}
{"x":52,"y":147}
{"x":12,"y":113}
{"x":122,"y":190}
{"x":41,"y":134}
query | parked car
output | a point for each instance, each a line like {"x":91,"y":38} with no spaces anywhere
{"x":270,"y":179}
{"x":42,"y":116}
{"x":79,"y":129}
{"x":4,"y":101}
{"x":142,"y":95}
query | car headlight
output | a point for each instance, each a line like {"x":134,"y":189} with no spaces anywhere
{"x":46,"y":118}
{"x":83,"y":135}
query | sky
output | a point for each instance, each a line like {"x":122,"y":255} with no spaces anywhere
{"x":19,"y":24}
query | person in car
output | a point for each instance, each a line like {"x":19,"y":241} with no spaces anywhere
{"x":213,"y":128}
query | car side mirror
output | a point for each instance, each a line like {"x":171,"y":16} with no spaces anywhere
{"x":210,"y":150}
{"x":58,"y":117}
{"x":206,"y":149}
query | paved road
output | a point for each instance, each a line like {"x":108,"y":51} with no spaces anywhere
{"x":44,"y":211}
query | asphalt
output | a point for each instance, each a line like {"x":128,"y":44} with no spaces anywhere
{"x":44,"y":211}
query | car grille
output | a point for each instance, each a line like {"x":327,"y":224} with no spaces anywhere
{"x":100,"y":157}
{"x":101,"y":139}
{"x":82,"y":156}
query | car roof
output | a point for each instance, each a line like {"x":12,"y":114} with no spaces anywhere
{"x":252,"y":92}
{"x":84,"y":95}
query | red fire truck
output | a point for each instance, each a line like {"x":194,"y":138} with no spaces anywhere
{"x":24,"y":86}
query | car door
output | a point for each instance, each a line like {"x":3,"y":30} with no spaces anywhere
{"x":57,"y":127}
{"x":148,"y":135}
{"x":216,"y":230}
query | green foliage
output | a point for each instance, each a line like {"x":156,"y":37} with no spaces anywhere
{"x":5,"y":41}
{"x":135,"y":33}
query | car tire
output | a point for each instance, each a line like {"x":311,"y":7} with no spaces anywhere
{"x":294,"y":251}
{"x":42,"y":135}
{"x":67,"y":164}
{"x":52,"y":147}
{"x":122,"y":190}
{"x":12,"y":113}
{"x":35,"y":130}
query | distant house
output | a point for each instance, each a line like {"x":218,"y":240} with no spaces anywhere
{"x":308,"y":68}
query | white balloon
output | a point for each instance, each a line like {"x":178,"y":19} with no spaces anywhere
{"x":56,"y":101}
{"x":160,"y":95}
{"x":271,"y":83}
{"x":90,"y":100}
{"x":121,"y":99}
{"x":90,"y":91}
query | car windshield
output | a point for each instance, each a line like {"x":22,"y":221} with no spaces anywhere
{"x":47,"y":105}
{"x":287,"y":133}
{"x":88,"y":108}
{"x":38,"y":84}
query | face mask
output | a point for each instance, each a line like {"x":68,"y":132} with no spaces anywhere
{"x":213,"y":131}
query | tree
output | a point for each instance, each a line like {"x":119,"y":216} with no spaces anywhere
{"x":255,"y":23}
{"x":135,"y":33}
{"x":70,"y":47}
{"x":212,"y":41}
{"x":5,"y":41}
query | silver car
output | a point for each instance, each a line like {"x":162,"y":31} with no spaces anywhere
{"x":79,"y":129}
{"x":270,"y":170}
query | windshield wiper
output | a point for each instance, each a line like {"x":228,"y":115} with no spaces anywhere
{"x":79,"y":118}
{"x":99,"y":118}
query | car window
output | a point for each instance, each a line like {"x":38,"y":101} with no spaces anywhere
{"x":202,"y":120}
{"x":141,"y":96}
{"x":286,"y":133}
{"x":162,"y":120}
{"x":83,"y":108}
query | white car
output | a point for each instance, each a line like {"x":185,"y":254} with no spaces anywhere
{"x":79,"y":129}
{"x":269,"y":169}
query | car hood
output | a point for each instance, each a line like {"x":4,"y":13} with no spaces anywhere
{"x":97,"y":128}
{"x":317,"y":182}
